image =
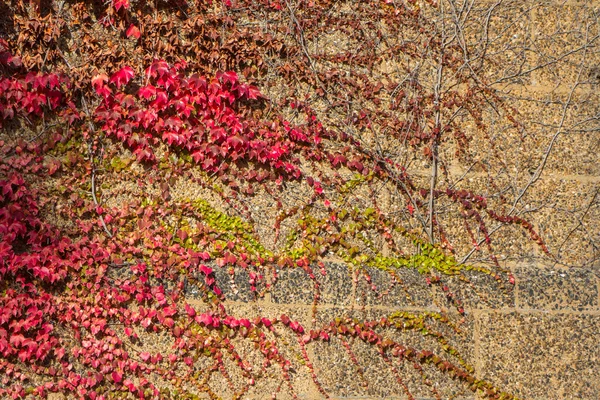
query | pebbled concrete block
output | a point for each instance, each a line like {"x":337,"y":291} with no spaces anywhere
{"x":236,"y":287}
{"x":541,"y":356}
{"x":340,"y":376}
{"x":476,"y":291}
{"x":559,"y":42}
{"x":401,"y":289}
{"x":287,"y":343}
{"x":557,"y":289}
{"x":293,"y":285}
{"x":336,"y":286}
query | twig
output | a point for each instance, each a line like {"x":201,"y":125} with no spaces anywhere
{"x":93,"y":165}
{"x":580,"y":220}
{"x":437,"y":130}
{"x":96,"y":201}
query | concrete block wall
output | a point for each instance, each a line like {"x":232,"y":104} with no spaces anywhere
{"x":537,"y":340}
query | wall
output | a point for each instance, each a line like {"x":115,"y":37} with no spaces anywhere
{"x":538,"y":340}
{"x":541,"y":338}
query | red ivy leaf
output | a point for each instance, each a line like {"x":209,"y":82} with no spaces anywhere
{"x":122,"y":76}
{"x":172,"y":137}
{"x":318,"y":188}
{"x":133,"y":31}
{"x":121,"y":3}
{"x":158,"y":68}
{"x":206,"y":270}
{"x":98,"y":82}
{"x":253,"y":93}
{"x":230,"y":76}
{"x":205,"y":319}
{"x":53,"y":166}
{"x":190,"y":311}
{"x":295,"y":326}
{"x":147,"y":91}
{"x":245,"y":323}
{"x":129,"y":384}
{"x":236,"y":142}
{"x":117,"y":376}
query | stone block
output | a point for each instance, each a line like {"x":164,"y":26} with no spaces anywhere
{"x":397,"y":289}
{"x":568,"y":119}
{"x":539,"y":355}
{"x":508,"y":241}
{"x":287,"y":343}
{"x":371,"y":376}
{"x":336,"y":286}
{"x":237,"y":287}
{"x":506,"y":40}
{"x":563,"y":42}
{"x":476,"y":291}
{"x":516,"y":152}
{"x":556,"y":289}
{"x":566,"y":213}
{"x":563,"y":212}
{"x":295,"y":286}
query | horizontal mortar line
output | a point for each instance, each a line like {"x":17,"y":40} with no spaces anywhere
{"x":379,"y":398}
{"x":468,"y":310}
{"x":530,"y":311}
{"x":309,"y":307}
{"x":547,"y":267}
{"x":547,"y":88}
{"x":509,"y":265}
{"x":295,"y":306}
{"x":459,"y":171}
{"x":256,"y":303}
{"x":327,"y":306}
{"x":569,"y":177}
{"x":555,"y":3}
{"x":574,"y":2}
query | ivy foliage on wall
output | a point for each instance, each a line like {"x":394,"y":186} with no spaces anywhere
{"x":147,"y":146}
